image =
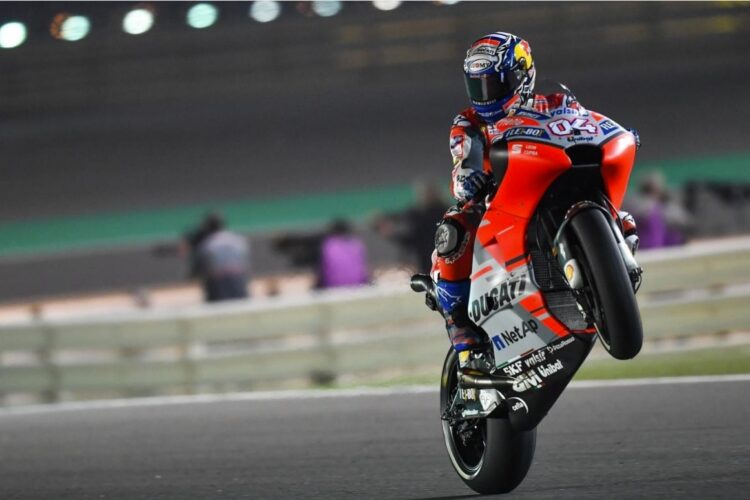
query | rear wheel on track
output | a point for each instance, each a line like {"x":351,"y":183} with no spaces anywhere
{"x":487,"y":454}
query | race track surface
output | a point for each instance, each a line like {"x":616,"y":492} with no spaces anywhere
{"x":687,"y":440}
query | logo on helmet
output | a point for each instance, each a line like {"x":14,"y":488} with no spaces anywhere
{"x":479,"y":65}
{"x":499,"y":75}
{"x":484,"y":49}
{"x":522,"y":53}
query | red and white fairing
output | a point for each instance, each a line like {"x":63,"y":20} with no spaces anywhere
{"x":504,"y":299}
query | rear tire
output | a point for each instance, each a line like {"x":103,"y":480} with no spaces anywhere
{"x":499,"y":458}
{"x":615,"y":309}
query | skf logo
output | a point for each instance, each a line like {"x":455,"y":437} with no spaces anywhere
{"x":509,"y":337}
{"x":497,"y":298}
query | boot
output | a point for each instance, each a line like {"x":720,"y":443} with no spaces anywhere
{"x":470,"y":343}
{"x":629,"y":231}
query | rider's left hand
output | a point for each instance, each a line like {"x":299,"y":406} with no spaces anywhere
{"x":636,"y":136}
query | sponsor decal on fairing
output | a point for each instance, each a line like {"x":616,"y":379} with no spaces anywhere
{"x":569,"y":111}
{"x":525,"y":132}
{"x":497,"y":298}
{"x":516,"y":334}
{"x":608,"y":126}
{"x":564,"y":127}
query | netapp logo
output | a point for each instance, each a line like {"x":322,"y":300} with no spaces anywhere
{"x":508,"y":337}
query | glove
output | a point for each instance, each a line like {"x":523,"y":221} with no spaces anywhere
{"x":636,"y":136}
{"x":474,"y":185}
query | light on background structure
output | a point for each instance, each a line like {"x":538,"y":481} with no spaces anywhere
{"x":12,"y":35}
{"x":326,"y":8}
{"x":265,"y":11}
{"x":386,"y":4}
{"x":70,"y":28}
{"x":202,"y":15}
{"x":138,"y":21}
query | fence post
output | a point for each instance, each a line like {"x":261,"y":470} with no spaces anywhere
{"x":46,"y":359}
{"x":185,"y":355}
{"x":328,"y":372}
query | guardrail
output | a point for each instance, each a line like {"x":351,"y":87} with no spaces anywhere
{"x":699,"y":289}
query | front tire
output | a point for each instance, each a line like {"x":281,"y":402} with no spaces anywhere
{"x":497,"y":458}
{"x":611,"y":294}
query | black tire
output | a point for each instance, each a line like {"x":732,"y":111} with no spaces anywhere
{"x":496,"y":463}
{"x":611,"y":292}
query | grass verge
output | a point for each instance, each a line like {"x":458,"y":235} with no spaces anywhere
{"x":710,"y":361}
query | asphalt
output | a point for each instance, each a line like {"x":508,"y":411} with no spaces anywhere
{"x":660,"y":441}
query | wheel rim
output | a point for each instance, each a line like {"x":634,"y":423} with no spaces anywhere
{"x":466,"y":454}
{"x":592,"y":296}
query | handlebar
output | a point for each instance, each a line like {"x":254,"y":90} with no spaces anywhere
{"x":422,"y":283}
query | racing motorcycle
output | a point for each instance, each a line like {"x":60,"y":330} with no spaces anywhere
{"x":552,"y":271}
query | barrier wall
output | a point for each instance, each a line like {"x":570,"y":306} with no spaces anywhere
{"x":694,"y":290}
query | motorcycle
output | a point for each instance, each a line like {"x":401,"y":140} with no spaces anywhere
{"x":552,"y":272}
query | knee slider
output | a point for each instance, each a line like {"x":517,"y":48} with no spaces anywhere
{"x":450,"y":239}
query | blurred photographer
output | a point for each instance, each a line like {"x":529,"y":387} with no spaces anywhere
{"x":219,"y":258}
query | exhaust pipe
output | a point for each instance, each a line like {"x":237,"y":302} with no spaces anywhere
{"x":466,"y":381}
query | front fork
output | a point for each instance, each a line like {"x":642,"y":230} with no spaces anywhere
{"x":626,"y":245}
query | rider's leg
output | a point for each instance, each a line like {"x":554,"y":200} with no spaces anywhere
{"x":454,"y":242}
{"x":629,"y":230}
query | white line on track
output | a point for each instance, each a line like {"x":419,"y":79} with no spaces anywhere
{"x":330,"y":393}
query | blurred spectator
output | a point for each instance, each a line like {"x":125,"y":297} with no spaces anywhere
{"x":661,"y":220}
{"x":219,"y":258}
{"x":413,"y":230}
{"x":343,"y":258}
{"x":337,"y":255}
{"x":718,"y":208}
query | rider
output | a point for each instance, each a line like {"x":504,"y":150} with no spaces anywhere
{"x":500,"y":75}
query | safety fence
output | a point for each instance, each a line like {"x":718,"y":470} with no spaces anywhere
{"x":345,"y":334}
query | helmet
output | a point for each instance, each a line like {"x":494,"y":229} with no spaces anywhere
{"x":499,"y":74}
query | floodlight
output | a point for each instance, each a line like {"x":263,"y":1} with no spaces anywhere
{"x":138,"y":21}
{"x":326,"y":8}
{"x":12,"y":35}
{"x":70,"y":28}
{"x":265,"y":11}
{"x":202,"y":15}
{"x":386,"y":4}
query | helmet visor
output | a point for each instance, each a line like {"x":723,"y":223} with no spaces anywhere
{"x":488,"y":88}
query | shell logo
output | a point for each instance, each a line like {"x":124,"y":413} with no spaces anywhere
{"x":569,"y":272}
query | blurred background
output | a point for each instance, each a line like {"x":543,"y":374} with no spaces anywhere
{"x":313,"y":136}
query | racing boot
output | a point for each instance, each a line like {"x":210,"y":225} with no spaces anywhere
{"x":629,"y":230}
{"x":630,"y":233}
{"x":469,"y":341}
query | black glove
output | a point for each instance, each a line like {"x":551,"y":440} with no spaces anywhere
{"x":636,"y":136}
{"x":476,"y":185}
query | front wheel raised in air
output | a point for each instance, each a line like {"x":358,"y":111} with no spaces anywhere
{"x":486,"y":453}
{"x":610,"y":290}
